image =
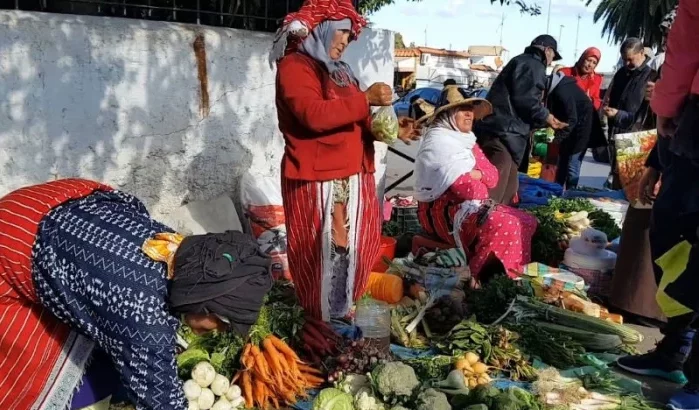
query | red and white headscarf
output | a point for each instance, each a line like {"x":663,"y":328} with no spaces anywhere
{"x":301,"y":23}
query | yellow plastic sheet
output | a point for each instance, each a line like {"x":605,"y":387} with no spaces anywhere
{"x":673,"y":263}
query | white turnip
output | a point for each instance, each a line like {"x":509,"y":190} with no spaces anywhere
{"x":204,"y":374}
{"x":206,"y":399}
{"x":220,"y":385}
{"x":192,"y":390}
{"x":233,"y":393}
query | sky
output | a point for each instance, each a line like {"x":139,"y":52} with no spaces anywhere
{"x":457,"y":24}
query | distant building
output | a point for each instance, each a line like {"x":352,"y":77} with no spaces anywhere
{"x":494,"y":57}
{"x":430,"y":67}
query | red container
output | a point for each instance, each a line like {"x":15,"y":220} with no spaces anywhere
{"x":388,"y":250}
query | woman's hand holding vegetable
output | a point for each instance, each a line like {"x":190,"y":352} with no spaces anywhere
{"x":379,"y":94}
{"x":407,"y":131}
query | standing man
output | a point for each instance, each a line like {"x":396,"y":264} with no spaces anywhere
{"x":675,"y":211}
{"x":567,"y":101}
{"x":516,"y":97}
{"x":626,"y":109}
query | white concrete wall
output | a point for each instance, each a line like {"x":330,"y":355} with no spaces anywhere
{"x":120,"y":101}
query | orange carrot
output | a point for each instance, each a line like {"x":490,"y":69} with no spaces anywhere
{"x":246,"y":385}
{"x":236,"y":377}
{"x":259,"y":393}
{"x":312,"y":379}
{"x":276,"y":372}
{"x":274,"y":355}
{"x":275,"y":402}
{"x":308,"y":369}
{"x":282,"y":347}
{"x":260,"y":363}
{"x":246,"y":359}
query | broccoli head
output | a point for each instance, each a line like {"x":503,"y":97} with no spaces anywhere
{"x":395,"y":380}
{"x":431,"y":399}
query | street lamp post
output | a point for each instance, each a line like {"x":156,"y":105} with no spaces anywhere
{"x":560,"y":35}
{"x":577,"y":35}
{"x":548,"y":19}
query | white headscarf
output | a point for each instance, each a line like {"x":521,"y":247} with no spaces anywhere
{"x":445,"y":154}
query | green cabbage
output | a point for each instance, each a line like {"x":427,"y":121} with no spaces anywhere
{"x":333,"y":399}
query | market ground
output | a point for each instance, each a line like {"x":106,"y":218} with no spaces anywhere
{"x":592,"y":175}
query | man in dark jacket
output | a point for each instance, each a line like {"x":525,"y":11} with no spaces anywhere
{"x":516,"y":96}
{"x":567,"y":101}
{"x":626,"y":108}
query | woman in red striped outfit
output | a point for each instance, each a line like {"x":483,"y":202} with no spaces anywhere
{"x":330,"y":199}
{"x":79,"y":283}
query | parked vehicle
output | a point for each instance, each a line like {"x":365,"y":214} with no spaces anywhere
{"x":402,"y":105}
{"x":478,"y":93}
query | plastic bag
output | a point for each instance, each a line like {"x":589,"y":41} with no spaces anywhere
{"x":261,"y":197}
{"x":384,"y":125}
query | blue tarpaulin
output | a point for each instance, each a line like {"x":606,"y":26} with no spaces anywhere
{"x":535,"y":192}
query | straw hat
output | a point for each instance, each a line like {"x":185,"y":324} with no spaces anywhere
{"x":423,"y":110}
{"x":455,"y":96}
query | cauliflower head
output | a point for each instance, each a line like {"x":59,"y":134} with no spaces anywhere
{"x":365,"y":400}
{"x":352,"y":383}
{"x":395,"y":379}
{"x":431,"y":399}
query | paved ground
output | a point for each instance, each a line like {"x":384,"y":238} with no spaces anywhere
{"x":592,"y":175}
{"x":656,"y":390}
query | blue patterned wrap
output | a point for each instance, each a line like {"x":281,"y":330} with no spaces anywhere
{"x":89,"y":271}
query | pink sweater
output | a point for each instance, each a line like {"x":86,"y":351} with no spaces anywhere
{"x":680,"y":73}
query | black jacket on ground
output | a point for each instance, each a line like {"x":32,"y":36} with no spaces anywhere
{"x":627,"y":94}
{"x":516,"y":96}
{"x":569,"y":103}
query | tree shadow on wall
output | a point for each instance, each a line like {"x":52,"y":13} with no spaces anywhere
{"x":374,"y":52}
{"x":120,"y":101}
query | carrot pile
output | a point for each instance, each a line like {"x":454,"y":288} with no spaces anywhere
{"x":272,"y":374}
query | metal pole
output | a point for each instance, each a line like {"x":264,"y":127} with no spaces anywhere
{"x":502,"y":28}
{"x":548,"y":19}
{"x":577,"y":35}
{"x":560,"y":35}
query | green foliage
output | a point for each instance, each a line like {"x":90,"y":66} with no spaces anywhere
{"x":399,"y":43}
{"x":525,"y":7}
{"x":642,"y":18}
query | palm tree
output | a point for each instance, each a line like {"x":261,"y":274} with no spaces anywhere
{"x":633,"y":18}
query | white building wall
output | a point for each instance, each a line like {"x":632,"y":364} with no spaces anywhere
{"x":124,"y":102}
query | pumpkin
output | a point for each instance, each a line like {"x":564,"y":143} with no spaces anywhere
{"x":385,"y":287}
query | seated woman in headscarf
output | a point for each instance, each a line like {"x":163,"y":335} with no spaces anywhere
{"x":330,"y":201}
{"x":85,"y":273}
{"x":452,"y":181}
